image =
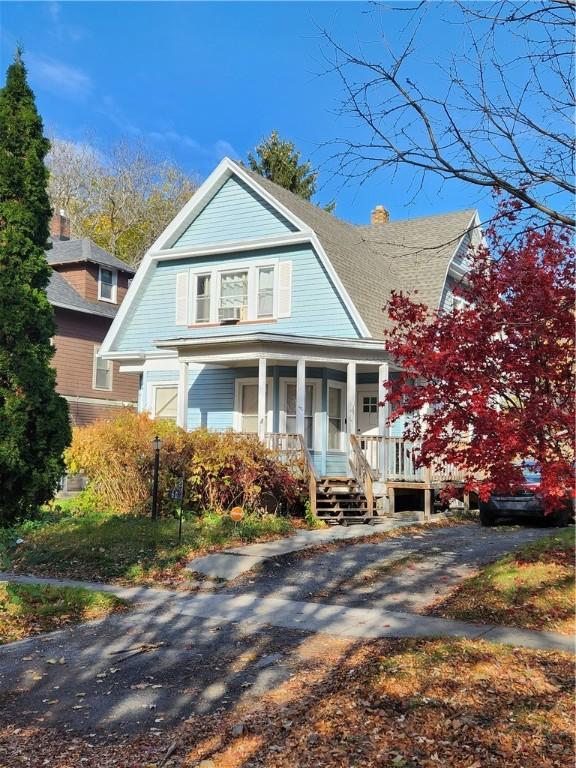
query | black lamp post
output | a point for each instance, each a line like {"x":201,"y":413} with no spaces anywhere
{"x":156,"y":443}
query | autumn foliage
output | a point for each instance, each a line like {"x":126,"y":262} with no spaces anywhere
{"x":493,"y":379}
{"x":221,"y":469}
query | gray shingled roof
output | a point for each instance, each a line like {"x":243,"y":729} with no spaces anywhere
{"x":411,"y":255}
{"x":61,"y":294}
{"x":83,"y":249}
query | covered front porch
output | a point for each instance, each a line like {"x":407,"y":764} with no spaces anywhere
{"x":314,"y":400}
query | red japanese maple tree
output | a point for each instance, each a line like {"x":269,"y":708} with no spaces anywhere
{"x":489,"y":385}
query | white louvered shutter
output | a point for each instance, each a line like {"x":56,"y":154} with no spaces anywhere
{"x":182,"y":298}
{"x":284,"y":288}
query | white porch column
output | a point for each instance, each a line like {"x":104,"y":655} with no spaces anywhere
{"x":261,"y":398}
{"x":383,"y":412}
{"x":300,"y":395}
{"x":182,"y":399}
{"x":351,"y":399}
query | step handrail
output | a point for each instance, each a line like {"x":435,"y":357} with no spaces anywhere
{"x":362,"y":472}
{"x":310,"y":473}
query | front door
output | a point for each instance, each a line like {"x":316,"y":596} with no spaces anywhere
{"x":367,"y":412}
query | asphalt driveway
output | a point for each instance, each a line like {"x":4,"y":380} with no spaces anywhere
{"x":160,"y":664}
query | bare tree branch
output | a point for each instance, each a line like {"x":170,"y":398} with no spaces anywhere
{"x":499,"y":120}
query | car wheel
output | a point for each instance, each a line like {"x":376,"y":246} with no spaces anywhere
{"x":487,"y":518}
{"x":559,"y":519}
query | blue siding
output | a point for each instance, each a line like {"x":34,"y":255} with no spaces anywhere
{"x":234,"y":213}
{"x":316,"y":308}
{"x":337,"y":464}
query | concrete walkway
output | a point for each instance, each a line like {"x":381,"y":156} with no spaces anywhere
{"x":233,"y":562}
{"x":337,"y":620}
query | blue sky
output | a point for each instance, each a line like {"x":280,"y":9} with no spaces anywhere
{"x":197,"y":81}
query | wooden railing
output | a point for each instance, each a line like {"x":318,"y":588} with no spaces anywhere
{"x":399,"y":461}
{"x":286,"y":446}
{"x":362,"y":472}
{"x":310,"y":473}
{"x":291,"y":449}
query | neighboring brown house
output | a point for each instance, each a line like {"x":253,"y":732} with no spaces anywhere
{"x":86,"y":288}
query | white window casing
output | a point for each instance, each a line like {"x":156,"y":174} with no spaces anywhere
{"x":182,"y":279}
{"x":101,"y":372}
{"x":244,"y":291}
{"x":107,"y":284}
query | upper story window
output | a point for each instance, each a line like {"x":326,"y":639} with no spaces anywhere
{"x":107,"y":284}
{"x":233,"y":296}
{"x":456,"y":303}
{"x":202,"y":305}
{"x":101,"y":372}
{"x":244,"y":292}
{"x":265,"y":289}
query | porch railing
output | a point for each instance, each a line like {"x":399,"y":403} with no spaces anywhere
{"x":286,"y":446}
{"x":399,"y":461}
{"x":363,"y":472}
{"x":292,"y":450}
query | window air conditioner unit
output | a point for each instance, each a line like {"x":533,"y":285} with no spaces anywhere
{"x":233,"y":314}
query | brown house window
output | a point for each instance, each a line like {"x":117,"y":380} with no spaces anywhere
{"x":102,"y":372}
{"x":107,"y":282}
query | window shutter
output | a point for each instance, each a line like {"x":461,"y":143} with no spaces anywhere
{"x":182,"y":298}
{"x":284,"y":288}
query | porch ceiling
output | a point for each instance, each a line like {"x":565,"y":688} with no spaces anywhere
{"x":277,"y":347}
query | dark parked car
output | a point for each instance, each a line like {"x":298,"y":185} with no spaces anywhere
{"x":524,"y":504}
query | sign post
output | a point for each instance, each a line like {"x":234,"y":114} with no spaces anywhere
{"x":177,"y":493}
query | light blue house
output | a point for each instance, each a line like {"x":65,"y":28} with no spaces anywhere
{"x":259,"y":312}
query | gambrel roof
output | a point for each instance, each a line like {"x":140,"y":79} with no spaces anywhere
{"x":364,"y":263}
{"x":409,"y":255}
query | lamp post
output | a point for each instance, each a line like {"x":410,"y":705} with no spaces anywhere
{"x":156,"y":443}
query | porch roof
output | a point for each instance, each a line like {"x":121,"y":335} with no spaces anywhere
{"x":277,"y":346}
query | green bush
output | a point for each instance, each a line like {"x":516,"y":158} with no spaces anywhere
{"x":221,"y":469}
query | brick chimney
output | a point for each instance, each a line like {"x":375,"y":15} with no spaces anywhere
{"x":60,"y":226}
{"x":379,"y":215}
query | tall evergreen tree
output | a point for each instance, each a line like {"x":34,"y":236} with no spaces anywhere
{"x":279,"y":161}
{"x":34,"y":427}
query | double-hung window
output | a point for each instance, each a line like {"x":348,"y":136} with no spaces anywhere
{"x":233,"y":295}
{"x":107,"y":281}
{"x":230,"y":294}
{"x":202,"y":307}
{"x":265,"y":292}
{"x":101,"y":372}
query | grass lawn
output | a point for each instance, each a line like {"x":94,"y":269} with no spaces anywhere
{"x":380,"y":704}
{"x":132,"y":550}
{"x":532,"y":588}
{"x":29,"y":609}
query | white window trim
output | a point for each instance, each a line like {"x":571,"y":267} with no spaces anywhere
{"x":193,"y":295}
{"x":97,"y":348}
{"x":151,"y":394}
{"x":114,"y":272}
{"x":343,"y":432}
{"x":317,"y":405}
{"x":251,"y":267}
{"x":237,"y":415}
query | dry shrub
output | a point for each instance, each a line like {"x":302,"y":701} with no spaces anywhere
{"x":222,"y":469}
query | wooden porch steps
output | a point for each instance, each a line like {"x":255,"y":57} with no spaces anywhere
{"x":340,"y":499}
